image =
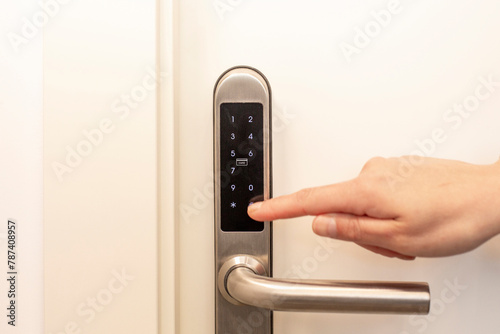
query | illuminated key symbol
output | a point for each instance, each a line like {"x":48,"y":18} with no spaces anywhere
{"x":233,"y":205}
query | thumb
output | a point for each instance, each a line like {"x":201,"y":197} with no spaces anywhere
{"x":359,"y":229}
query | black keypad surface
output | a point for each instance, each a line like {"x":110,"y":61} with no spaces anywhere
{"x":241,"y":164}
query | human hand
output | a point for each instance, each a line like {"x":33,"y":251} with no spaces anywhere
{"x":401,"y":207}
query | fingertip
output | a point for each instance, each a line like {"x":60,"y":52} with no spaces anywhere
{"x":253,"y":210}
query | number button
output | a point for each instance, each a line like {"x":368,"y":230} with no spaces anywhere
{"x":233,"y":153}
{"x":233,"y":136}
{"x":250,"y":119}
{"x":250,"y":187}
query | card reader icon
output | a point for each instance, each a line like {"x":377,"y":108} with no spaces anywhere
{"x":241,"y":162}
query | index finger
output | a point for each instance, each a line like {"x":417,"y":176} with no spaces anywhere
{"x":342,"y":197}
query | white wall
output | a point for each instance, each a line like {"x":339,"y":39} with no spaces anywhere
{"x":21,"y":164}
{"x":100,"y":168}
{"x":101,"y":218}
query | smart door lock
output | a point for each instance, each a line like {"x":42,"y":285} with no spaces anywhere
{"x":245,"y":292}
{"x":242,"y":168}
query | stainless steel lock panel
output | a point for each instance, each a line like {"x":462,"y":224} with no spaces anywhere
{"x":242,"y":168}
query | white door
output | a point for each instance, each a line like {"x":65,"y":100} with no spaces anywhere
{"x":350,"y":80}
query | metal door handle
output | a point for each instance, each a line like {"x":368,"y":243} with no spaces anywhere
{"x":243,"y":280}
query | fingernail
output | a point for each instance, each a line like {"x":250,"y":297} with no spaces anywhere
{"x":325,"y":226}
{"x":255,"y":206}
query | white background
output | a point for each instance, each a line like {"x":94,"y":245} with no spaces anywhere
{"x":21,"y":165}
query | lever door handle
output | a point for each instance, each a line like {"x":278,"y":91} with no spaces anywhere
{"x":243,"y":280}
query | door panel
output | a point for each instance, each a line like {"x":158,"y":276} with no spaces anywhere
{"x":100,"y":168}
{"x":333,"y":111}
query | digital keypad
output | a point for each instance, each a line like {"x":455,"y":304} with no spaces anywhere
{"x":241,"y":164}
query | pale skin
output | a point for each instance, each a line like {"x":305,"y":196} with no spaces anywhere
{"x":403,"y":207}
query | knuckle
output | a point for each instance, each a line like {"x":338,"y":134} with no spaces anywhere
{"x":302,"y":197}
{"x":371,"y":184}
{"x":351,"y":229}
{"x":365,"y":187}
{"x":399,"y":238}
{"x":373,"y":163}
